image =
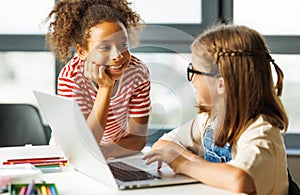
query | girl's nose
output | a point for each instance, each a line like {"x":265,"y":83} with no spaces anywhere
{"x":116,"y":54}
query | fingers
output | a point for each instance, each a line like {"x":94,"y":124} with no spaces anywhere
{"x":87,"y":69}
{"x":91,"y":70}
{"x":95,"y":71}
{"x":152,"y":157}
{"x":101,"y":72}
{"x":159,"y":164}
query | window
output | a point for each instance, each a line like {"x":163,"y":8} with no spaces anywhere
{"x":22,"y":72}
{"x":291,"y":88}
{"x":24,"y":62}
{"x":23,"y":17}
{"x":172,"y":96}
{"x":165,"y":48}
{"x":269,"y":17}
{"x":169,"y":11}
{"x":171,"y":25}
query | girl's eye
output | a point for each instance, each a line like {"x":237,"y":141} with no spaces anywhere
{"x":124,"y":45}
{"x":105,"y":48}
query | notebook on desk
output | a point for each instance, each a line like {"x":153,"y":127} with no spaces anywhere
{"x":83,"y":152}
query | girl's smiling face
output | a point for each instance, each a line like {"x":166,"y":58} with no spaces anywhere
{"x":108,"y":45}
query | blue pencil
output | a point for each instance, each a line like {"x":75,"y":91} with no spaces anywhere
{"x":53,"y":191}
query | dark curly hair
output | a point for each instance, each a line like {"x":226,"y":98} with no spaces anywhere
{"x":72,"y":20}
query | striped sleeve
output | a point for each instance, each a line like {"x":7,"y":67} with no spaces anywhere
{"x":140,"y":103}
{"x":72,"y":84}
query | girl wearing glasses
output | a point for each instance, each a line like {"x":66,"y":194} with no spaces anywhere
{"x":111,"y":86}
{"x":235,"y":141}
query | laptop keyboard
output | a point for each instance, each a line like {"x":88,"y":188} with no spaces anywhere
{"x":125,"y":172}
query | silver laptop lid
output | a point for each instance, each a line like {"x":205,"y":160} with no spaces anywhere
{"x":74,"y":136}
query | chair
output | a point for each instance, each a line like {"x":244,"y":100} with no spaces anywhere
{"x":21,"y":124}
{"x":293,"y":187}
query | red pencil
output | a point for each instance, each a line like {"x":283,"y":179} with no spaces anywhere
{"x":40,"y":158}
{"x":36,"y":161}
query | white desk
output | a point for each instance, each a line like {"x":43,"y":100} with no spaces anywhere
{"x":71,"y":182}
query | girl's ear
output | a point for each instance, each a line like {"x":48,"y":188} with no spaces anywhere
{"x":221,"y":86}
{"x":81,"y":52}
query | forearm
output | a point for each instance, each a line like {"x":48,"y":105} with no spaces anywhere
{"x":128,"y":145}
{"x":98,"y":116}
{"x":227,"y":177}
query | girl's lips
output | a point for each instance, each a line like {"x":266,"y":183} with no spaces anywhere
{"x":115,"y":67}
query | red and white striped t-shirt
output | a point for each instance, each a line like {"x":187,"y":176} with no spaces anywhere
{"x":130,"y":99}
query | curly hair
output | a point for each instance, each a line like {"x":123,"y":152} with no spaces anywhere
{"x":72,"y":20}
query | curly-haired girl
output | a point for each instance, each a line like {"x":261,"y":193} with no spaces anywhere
{"x":110,"y":85}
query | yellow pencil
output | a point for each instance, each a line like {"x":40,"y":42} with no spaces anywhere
{"x":43,"y":190}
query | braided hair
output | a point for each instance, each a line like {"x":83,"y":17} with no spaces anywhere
{"x":70,"y":21}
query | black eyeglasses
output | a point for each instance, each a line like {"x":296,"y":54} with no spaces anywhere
{"x":191,"y":72}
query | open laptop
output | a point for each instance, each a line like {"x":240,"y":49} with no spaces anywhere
{"x":83,"y":152}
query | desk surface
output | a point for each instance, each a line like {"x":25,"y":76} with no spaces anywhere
{"x":71,"y":182}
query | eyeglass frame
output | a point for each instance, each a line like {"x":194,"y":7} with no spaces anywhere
{"x":190,"y":70}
